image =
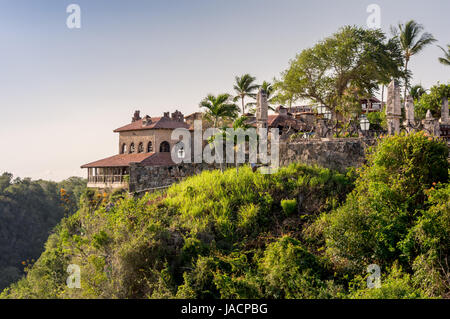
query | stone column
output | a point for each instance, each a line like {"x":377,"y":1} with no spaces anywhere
{"x":444,"y":112}
{"x":393,"y":109}
{"x":431,"y":125}
{"x":262,"y":109}
{"x":409,"y":113}
{"x":321,"y":128}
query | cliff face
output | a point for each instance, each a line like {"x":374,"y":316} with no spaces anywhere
{"x":28,"y":212}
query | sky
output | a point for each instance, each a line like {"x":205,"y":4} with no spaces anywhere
{"x":63,"y":91}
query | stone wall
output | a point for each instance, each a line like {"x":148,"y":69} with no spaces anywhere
{"x":143,"y":178}
{"x":337,"y":154}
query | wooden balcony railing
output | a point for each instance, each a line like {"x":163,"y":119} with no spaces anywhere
{"x":108,"y":179}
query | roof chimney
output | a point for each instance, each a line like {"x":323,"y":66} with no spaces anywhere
{"x":147,"y":120}
{"x":136,"y":116}
{"x":178,"y":116}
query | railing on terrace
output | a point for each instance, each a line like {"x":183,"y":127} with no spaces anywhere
{"x":375,"y":133}
{"x":108,"y":179}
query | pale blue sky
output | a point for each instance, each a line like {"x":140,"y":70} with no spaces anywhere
{"x":63,"y":91}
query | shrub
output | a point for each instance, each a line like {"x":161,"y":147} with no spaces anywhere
{"x":373,"y":226}
{"x":290,"y":271}
{"x":395,"y":285}
{"x":289,"y":206}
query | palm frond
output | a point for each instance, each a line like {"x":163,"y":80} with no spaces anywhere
{"x":412,"y":38}
{"x":445,"y":60}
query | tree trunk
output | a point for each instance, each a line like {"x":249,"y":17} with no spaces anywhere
{"x":406,"y":79}
{"x":215,"y":127}
{"x":243,"y":106}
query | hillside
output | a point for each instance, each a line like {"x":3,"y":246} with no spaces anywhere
{"x":28,"y":212}
{"x":303,"y":232}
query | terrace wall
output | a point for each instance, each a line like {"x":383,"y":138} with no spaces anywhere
{"x":337,"y":154}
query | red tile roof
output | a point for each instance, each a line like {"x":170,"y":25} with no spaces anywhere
{"x":271,"y":118}
{"x":159,"y":159}
{"x":121,"y":160}
{"x":275,"y":120}
{"x":124,"y":160}
{"x":157,"y":123}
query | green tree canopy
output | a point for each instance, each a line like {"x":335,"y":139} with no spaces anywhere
{"x":413,"y":40}
{"x":28,"y":211}
{"x":343,"y":68}
{"x":417,"y":91}
{"x":432,"y":101}
{"x":245,"y":87}
{"x":219,"y":108}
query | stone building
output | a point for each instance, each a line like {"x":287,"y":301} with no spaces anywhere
{"x":146,"y":141}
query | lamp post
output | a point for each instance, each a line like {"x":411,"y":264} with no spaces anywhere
{"x":364,"y":124}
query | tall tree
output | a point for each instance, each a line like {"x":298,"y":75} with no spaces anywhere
{"x":239,"y":124}
{"x":417,"y":91}
{"x":285,"y":95}
{"x":342,"y":69}
{"x":245,"y":87}
{"x":272,"y":98}
{"x":219,"y":108}
{"x":270,"y":90}
{"x":445,"y":60}
{"x":413,"y":40}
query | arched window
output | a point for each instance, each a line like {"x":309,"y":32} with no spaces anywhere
{"x":141,"y":147}
{"x":164,"y":147}
{"x":149,"y":147}
{"x":132,"y":148}
{"x":123,"y":150}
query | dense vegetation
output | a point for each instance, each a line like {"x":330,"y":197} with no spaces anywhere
{"x":28,"y":212}
{"x":432,"y":100}
{"x":303,"y":232}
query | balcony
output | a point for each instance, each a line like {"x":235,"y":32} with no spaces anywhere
{"x":108,"y":181}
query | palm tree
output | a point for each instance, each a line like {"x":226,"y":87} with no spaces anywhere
{"x":412,"y":40}
{"x":417,"y":91}
{"x":446,"y":59}
{"x":270,"y":90}
{"x":245,"y":87}
{"x":239,"y":124}
{"x":219,"y":108}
